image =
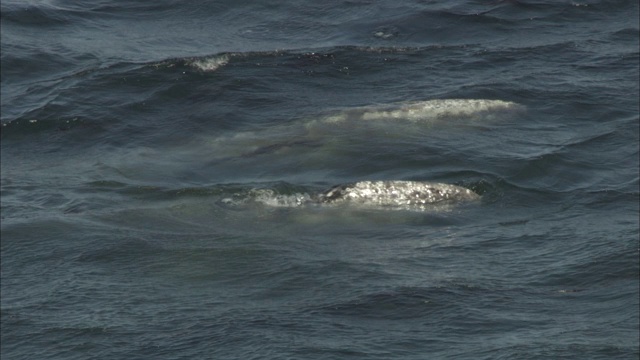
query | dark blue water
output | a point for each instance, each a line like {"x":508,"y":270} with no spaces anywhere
{"x":159,"y":160}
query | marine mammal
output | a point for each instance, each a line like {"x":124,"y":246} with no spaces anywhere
{"x":396,"y":194}
{"x":427,"y":110}
{"x":384,"y":195}
{"x":331,"y":130}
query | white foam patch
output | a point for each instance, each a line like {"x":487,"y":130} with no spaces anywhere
{"x":268,"y":197}
{"x":271,"y":199}
{"x":429,"y":110}
{"x":210,"y":64}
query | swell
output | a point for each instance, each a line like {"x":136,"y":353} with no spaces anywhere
{"x":25,"y":104}
{"x":67,"y":14}
{"x":67,"y":93}
{"x":554,"y":10}
{"x":35,"y":16}
{"x":501,"y":10}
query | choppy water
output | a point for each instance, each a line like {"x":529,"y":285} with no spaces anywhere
{"x":158,"y":159}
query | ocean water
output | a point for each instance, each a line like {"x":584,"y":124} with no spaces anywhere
{"x":161,"y":160}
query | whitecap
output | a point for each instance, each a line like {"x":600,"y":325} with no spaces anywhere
{"x":210,"y":64}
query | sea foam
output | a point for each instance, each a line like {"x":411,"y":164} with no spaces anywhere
{"x":210,"y":64}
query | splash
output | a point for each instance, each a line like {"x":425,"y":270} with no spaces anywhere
{"x":210,"y":64}
{"x":268,"y":197}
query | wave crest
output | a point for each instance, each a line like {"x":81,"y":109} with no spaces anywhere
{"x":209,"y":64}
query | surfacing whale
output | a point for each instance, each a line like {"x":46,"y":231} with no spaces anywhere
{"x":330,"y":130}
{"x":427,"y":110}
{"x":383,"y":195}
{"x":397,"y":194}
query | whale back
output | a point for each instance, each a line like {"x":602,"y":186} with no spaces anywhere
{"x":397,"y":193}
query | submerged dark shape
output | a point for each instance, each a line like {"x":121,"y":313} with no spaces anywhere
{"x":397,"y":193}
{"x":269,"y":149}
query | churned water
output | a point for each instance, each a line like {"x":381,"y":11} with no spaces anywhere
{"x":165,"y":167}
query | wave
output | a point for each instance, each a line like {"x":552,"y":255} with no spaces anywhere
{"x":38,"y":16}
{"x":209,"y":64}
{"x":302,"y":57}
